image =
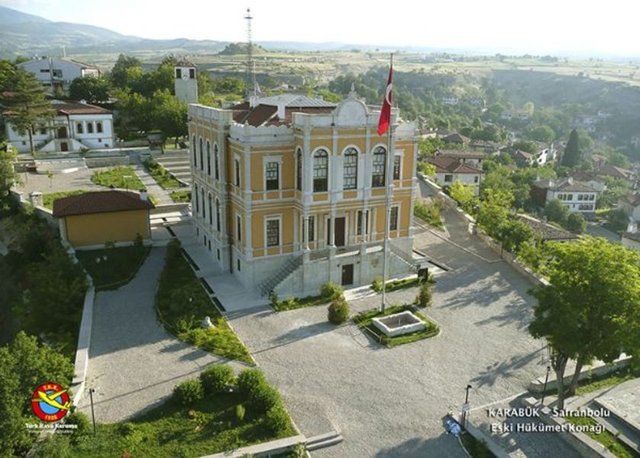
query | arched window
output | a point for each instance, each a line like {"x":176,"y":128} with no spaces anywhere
{"x":195,"y":156}
{"x":216,"y":163}
{"x":320,"y":170}
{"x":350,"y":173}
{"x":201,"y":154}
{"x":218,"y":215}
{"x":208,"y":158}
{"x":379,"y":162}
{"x":210,"y":210}
{"x":299,"y":169}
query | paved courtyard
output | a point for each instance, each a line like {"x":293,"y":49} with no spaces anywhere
{"x":390,"y":402}
{"x":134,"y":363}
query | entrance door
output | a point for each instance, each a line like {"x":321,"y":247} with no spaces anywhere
{"x":339,"y":226}
{"x":347,"y":274}
{"x":64,"y":146}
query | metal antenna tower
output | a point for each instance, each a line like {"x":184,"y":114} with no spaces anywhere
{"x":251,"y":67}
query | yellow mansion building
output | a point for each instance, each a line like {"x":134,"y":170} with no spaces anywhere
{"x":290,"y":192}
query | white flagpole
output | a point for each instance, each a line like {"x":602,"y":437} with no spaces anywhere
{"x":387,"y":211}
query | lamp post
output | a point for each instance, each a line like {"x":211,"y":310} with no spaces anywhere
{"x":465,"y":406}
{"x":544,"y":389}
{"x":93,"y":415}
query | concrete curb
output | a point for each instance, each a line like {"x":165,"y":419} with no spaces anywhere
{"x":265,"y":449}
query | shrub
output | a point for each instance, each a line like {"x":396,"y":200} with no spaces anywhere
{"x":376,"y":285}
{"x":338,"y":311}
{"x":240,"y":412}
{"x":249,"y":380}
{"x":425,"y":295}
{"x":277,"y":419}
{"x":82,"y":421}
{"x":126,"y":429}
{"x":189,"y":392}
{"x":138,"y":241}
{"x":576,"y":223}
{"x":217,"y":378}
{"x":331,"y":291}
{"x":263,"y":398}
{"x":273,"y":297}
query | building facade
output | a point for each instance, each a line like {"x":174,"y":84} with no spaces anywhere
{"x":577,"y":196}
{"x":450,"y":169}
{"x":290,"y":192}
{"x":90,"y":220}
{"x":58,"y":74}
{"x":75,"y":127}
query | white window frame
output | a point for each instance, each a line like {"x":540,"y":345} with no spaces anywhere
{"x":237,"y":176}
{"x":357,"y":166}
{"x":397,"y":218}
{"x":266,"y":223}
{"x":267,"y":160}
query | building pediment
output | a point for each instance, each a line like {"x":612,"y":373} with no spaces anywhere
{"x":351,"y":113}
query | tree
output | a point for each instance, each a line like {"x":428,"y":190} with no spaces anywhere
{"x":91,"y":89}
{"x":590,"y":308}
{"x":494,"y":210}
{"x":526,"y":146}
{"x":572,"y":153}
{"x":25,"y":364}
{"x":557,"y":212}
{"x":8,"y":174}
{"x":542,"y":133}
{"x":576,"y":223}
{"x":120,"y":75}
{"x":168,"y":114}
{"x":26,"y":105}
{"x":513,"y":233}
{"x":462,"y":194}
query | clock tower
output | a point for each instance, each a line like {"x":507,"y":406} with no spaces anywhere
{"x":186,"y":83}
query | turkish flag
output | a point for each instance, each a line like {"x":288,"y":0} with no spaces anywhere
{"x":385,"y":112}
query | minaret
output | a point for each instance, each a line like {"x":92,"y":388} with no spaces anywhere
{"x":186,"y":82}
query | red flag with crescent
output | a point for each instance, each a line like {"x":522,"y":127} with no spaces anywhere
{"x":385,"y":112}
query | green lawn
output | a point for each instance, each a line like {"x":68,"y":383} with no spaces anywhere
{"x":364,"y":320}
{"x":161,"y":175}
{"x":607,"y":439}
{"x":47,"y":199}
{"x":170,"y":430}
{"x":181,"y":196}
{"x":590,"y":384}
{"x":118,"y":269}
{"x":429,"y":213}
{"x":292,"y":303}
{"x":182,"y":303}
{"x":123,"y":177}
{"x":395,"y":285}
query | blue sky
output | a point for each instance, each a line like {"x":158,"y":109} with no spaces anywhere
{"x":543,"y":26}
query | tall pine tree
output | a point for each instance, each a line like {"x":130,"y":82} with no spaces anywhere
{"x":25,"y":104}
{"x":572,"y":154}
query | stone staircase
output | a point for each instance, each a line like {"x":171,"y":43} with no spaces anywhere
{"x":407,"y":258}
{"x":290,"y":266}
{"x":177,"y":164}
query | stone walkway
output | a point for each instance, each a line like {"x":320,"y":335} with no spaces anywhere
{"x":134,"y":363}
{"x":162,"y":196}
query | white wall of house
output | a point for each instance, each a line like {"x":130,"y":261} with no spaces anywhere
{"x":96,"y":133}
{"x":57,"y":71}
{"x":468,"y":179}
{"x":576,"y":202}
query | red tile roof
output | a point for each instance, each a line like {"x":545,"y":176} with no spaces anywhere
{"x":446,"y":164}
{"x":69,"y":108}
{"x":99,"y":202}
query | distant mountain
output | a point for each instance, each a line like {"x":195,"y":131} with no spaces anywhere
{"x":29,"y":35}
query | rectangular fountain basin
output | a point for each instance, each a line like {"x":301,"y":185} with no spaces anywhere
{"x":399,"y":324}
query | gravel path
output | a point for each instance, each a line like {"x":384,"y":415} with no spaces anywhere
{"x":134,"y":363}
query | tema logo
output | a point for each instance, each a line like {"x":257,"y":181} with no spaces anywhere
{"x":50,"y":402}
